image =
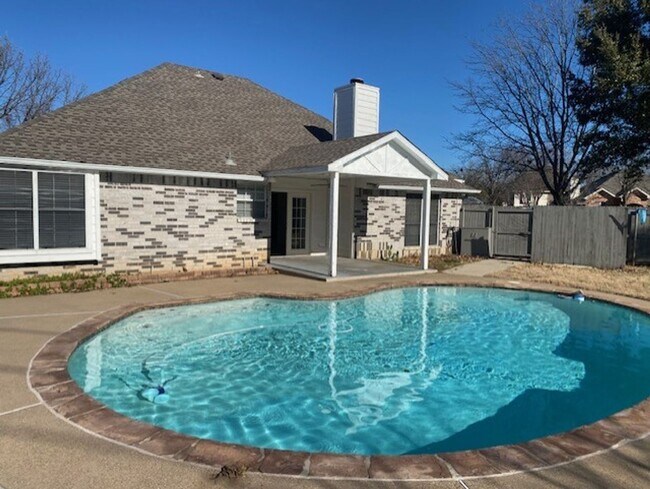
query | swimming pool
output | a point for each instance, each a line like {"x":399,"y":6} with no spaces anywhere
{"x":405,"y":371}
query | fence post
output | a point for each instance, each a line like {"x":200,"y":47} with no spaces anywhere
{"x":494,"y":218}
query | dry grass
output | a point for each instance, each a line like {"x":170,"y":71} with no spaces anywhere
{"x":630,"y":281}
{"x":440,"y":262}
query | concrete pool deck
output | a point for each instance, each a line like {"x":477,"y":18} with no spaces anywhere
{"x":39,"y":449}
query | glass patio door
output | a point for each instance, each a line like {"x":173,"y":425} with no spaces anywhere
{"x":298,"y":238}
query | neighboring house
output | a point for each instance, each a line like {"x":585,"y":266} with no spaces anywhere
{"x":183,"y":169}
{"x":608,"y":191}
{"x":529,"y":190}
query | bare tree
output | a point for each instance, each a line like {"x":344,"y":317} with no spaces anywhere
{"x":520,"y":96}
{"x":491,"y":177}
{"x":29,"y":88}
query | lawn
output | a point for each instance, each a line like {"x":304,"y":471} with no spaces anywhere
{"x":629,"y":281}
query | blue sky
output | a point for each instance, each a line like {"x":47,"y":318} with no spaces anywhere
{"x":300,"y":49}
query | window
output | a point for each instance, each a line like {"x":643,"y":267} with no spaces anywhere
{"x":251,"y":201}
{"x":44,"y":217}
{"x":61,"y":210}
{"x":16,"y":217}
{"x":412,"y":221}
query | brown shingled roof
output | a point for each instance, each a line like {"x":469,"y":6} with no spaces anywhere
{"x":170,"y":118}
{"x":451,"y":184}
{"x":321,"y":154}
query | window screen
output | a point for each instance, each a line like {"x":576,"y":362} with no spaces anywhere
{"x":412,"y":227}
{"x":61,"y":216}
{"x":413,"y":216}
{"x":16,"y":219}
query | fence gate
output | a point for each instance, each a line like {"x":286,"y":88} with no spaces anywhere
{"x":513,"y":231}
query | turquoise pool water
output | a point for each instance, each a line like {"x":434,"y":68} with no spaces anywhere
{"x":415,"y":370}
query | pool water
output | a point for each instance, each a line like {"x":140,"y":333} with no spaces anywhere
{"x":406,"y":371}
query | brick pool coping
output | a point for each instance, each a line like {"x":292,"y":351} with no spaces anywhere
{"x":48,"y":377}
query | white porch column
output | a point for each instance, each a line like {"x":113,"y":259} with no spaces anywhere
{"x":424,"y":229}
{"x":334,"y":222}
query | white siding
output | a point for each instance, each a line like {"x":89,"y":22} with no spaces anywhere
{"x":366,"y":108}
{"x":344,"y":112}
{"x":356,"y":110}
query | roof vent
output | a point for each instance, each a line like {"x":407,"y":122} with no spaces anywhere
{"x":357,"y":80}
{"x":217,"y":76}
{"x":229,"y":160}
{"x":198,"y":74}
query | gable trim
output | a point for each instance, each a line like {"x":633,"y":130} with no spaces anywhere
{"x":427,"y":164}
{"x":640,"y":190}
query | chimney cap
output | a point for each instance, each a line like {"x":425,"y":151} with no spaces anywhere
{"x":356,"y":80}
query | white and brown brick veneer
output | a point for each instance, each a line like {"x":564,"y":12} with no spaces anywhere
{"x":449,"y":218}
{"x":163,"y":229}
{"x":379,"y":222}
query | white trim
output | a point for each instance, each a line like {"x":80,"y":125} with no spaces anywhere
{"x":434,"y":190}
{"x":297,"y":171}
{"x":430,"y":168}
{"x":93,"y":167}
{"x":639,"y":189}
{"x":299,"y":194}
{"x":424,"y":226}
{"x":98,"y":218}
{"x":36,"y":239}
{"x":427,"y":163}
{"x":439,"y":233}
{"x":597,"y":191}
{"x":333,"y":248}
{"x":92,"y":250}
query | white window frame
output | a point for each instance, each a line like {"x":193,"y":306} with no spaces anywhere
{"x":92,"y":250}
{"x":241,"y":198}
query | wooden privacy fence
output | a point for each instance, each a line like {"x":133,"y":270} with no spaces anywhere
{"x":593,"y":236}
{"x":638,"y":249}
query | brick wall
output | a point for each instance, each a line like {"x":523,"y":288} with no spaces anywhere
{"x":379,"y":220}
{"x":449,"y":218}
{"x":162,"y":229}
{"x":378,"y":223}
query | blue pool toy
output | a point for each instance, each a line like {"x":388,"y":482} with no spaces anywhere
{"x":155,"y":393}
{"x":577,"y":296}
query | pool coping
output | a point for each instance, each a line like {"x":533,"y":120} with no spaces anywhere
{"x":50,"y":381}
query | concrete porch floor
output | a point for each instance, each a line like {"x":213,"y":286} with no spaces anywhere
{"x":317,"y":266}
{"x":41,"y":450}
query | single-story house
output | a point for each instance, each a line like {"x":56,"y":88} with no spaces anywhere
{"x":529,"y":189}
{"x":184,"y":169}
{"x":608,"y":191}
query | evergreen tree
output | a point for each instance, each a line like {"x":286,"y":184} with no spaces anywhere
{"x":614,"y":44}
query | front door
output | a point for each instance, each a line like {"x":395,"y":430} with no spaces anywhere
{"x":297,"y":231}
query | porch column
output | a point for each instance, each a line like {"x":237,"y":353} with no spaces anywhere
{"x":334,"y":222}
{"x":424,"y":233}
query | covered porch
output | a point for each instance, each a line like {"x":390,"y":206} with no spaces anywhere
{"x":318,"y":267}
{"x":313,"y":203}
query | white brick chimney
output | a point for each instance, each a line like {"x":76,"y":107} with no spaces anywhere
{"x":356,"y":110}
